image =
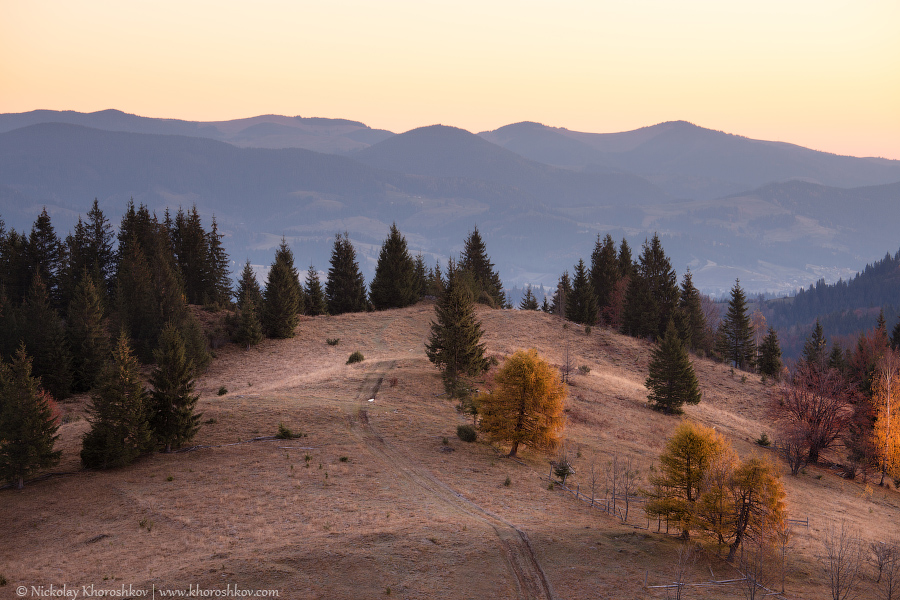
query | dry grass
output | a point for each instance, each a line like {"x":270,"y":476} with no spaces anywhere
{"x":255,"y":515}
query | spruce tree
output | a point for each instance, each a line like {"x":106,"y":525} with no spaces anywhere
{"x":217,"y":286}
{"x":173,"y":402}
{"x":315,"y":296}
{"x":420,"y":278}
{"x":345,"y":288}
{"x":435,"y":281}
{"x":545,"y":306}
{"x":689,"y":317}
{"x":394,"y":283}
{"x":488,"y":289}
{"x":640,"y":310}
{"x":45,"y":341}
{"x":454,"y":345}
{"x":281,"y":299}
{"x":815,"y":350}
{"x":248,"y":287}
{"x":561,"y":297}
{"x":604,"y":270}
{"x":249,"y":330}
{"x":736,"y":340}
{"x":120,"y":431}
{"x":27,"y":425}
{"x":529,"y":302}
{"x":895,"y":336}
{"x":625,"y":261}
{"x":45,"y":255}
{"x":582,"y":303}
{"x":87,"y":335}
{"x":671,"y":381}
{"x":770,"y":355}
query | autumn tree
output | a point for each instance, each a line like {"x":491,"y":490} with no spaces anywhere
{"x":757,"y":497}
{"x":816,"y":406}
{"x":394,"y":284}
{"x":172,"y":399}
{"x":886,"y":400}
{"x":455,"y":345}
{"x":683,"y":466}
{"x":526,"y":405}
{"x":118,"y":414}
{"x":671,"y":380}
{"x":27,"y":424}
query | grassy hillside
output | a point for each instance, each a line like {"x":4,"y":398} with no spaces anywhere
{"x":380,"y":506}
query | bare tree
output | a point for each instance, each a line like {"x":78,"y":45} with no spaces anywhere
{"x":629,"y":478}
{"x":593,"y":482}
{"x":816,"y":403}
{"x":783,"y":534}
{"x":882,"y":554}
{"x":842,"y":560}
{"x":685,"y":558}
{"x":794,"y":447}
{"x":755,"y":565}
{"x":888,"y":584}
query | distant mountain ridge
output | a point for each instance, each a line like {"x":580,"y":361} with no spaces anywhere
{"x":537,"y":216}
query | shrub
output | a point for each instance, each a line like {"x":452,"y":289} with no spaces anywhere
{"x":764,"y":441}
{"x":222,"y":391}
{"x":584,"y":369}
{"x":355,"y":358}
{"x":466,"y":433}
{"x":332,"y":341}
{"x":587,"y":330}
{"x":345,"y":459}
{"x":284,"y":433}
{"x":445,"y":442}
{"x":508,"y":481}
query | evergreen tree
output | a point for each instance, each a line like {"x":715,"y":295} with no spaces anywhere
{"x":815,"y":350}
{"x":249,"y":328}
{"x":488,"y":288}
{"x":671,"y":381}
{"x":582,"y":303}
{"x":315,"y":296}
{"x":248,"y":287}
{"x":173,"y":402}
{"x":689,"y":317}
{"x":27,"y":424}
{"x":604,"y":270}
{"x":87,"y":335}
{"x":190,"y":245}
{"x":45,"y":255}
{"x":281,"y":299}
{"x":14,"y":272}
{"x":895,"y":336}
{"x":345,"y":288}
{"x":100,"y":255}
{"x":770,"y":355}
{"x":545,"y":306}
{"x":562,"y":296}
{"x":640,"y":310}
{"x":45,"y":340}
{"x":837,"y":360}
{"x":218,"y":273}
{"x":529,"y":302}
{"x":120,"y":431}
{"x":394,"y":284}
{"x":626,"y":263}
{"x":420,"y":277}
{"x":736,"y":341}
{"x":137,"y":306}
{"x":196,"y":344}
{"x":436,"y":281}
{"x":454,"y":345}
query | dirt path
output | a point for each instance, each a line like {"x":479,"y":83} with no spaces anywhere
{"x":530,"y":579}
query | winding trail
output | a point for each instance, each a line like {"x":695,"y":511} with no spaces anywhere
{"x":531,"y":582}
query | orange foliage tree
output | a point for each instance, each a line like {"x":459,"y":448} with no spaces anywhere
{"x":526,"y":406}
{"x":886,"y":399}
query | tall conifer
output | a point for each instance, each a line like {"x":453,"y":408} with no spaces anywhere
{"x":345,"y":288}
{"x":671,"y":381}
{"x":488,"y":288}
{"x":87,"y":334}
{"x":315,"y":296}
{"x":604,"y":270}
{"x":173,"y":401}
{"x":736,"y":333}
{"x":281,"y":298}
{"x":394,"y":284}
{"x":583,"y":302}
{"x":45,"y":340}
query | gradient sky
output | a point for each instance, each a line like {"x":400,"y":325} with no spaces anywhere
{"x":823,"y":74}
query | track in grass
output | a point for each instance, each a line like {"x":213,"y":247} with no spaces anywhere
{"x":530,"y":579}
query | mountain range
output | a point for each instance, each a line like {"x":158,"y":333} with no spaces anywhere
{"x":777,"y":215}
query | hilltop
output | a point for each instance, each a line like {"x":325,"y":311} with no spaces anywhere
{"x":379,"y":506}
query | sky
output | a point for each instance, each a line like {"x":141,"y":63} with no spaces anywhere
{"x":824,"y":74}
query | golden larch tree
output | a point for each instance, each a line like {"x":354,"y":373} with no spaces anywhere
{"x":526,"y":406}
{"x":886,"y":400}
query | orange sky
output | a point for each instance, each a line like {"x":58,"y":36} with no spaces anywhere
{"x":823,"y":74}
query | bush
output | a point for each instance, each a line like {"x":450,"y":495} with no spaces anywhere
{"x":284,"y":433}
{"x":222,"y":391}
{"x":584,"y":369}
{"x":332,"y":341}
{"x":587,"y":330}
{"x":466,"y":433}
{"x":764,"y":441}
{"x":508,"y":482}
{"x":355,"y":358}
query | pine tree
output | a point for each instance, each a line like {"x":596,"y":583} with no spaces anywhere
{"x":895,"y":336}
{"x":281,"y":299}
{"x":488,"y":289}
{"x":582,"y":303}
{"x":27,"y":424}
{"x":604,"y":270}
{"x":420,"y":277}
{"x":640,"y":309}
{"x":120,"y":431}
{"x":315,"y":296}
{"x":87,"y":335}
{"x":345,"y":288}
{"x":218,"y":273}
{"x":736,"y":341}
{"x":526,"y":406}
{"x":626,"y":263}
{"x":529,"y":302}
{"x":562,"y":296}
{"x":454,"y":345}
{"x":45,"y":255}
{"x":435,"y":281}
{"x":173,"y":402}
{"x":100,"y":257}
{"x":545,"y":306}
{"x":689,"y":316}
{"x":190,"y":245}
{"x":671,"y":381}
{"x":770,"y":355}
{"x":815,"y":350}
{"x":45,"y":340}
{"x":394,"y":284}
{"x":248,"y":287}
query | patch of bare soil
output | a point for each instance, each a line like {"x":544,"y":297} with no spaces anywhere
{"x":380,"y":498}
